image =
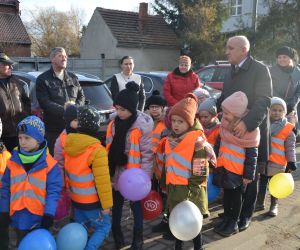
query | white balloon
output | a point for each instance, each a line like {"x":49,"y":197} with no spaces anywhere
{"x":185,"y":221}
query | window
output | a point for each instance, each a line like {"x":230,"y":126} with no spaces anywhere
{"x":236,"y":7}
{"x":206,"y":75}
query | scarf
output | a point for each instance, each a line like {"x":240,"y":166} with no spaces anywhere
{"x":276,"y":126}
{"x":286,"y":69}
{"x":249,"y":140}
{"x":177,"y":72}
{"x":116,"y":154}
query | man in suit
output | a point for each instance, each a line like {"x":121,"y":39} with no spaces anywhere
{"x":253,"y":78}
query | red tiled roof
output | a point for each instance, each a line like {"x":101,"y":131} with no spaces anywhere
{"x":13,"y":29}
{"x":125,"y":27}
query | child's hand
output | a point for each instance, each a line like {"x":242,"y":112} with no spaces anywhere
{"x":246,"y":181}
{"x":106,"y":211}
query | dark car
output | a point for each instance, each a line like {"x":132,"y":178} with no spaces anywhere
{"x":214,"y":75}
{"x":95,"y":90}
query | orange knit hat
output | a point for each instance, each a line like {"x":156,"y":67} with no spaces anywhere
{"x":186,"y":108}
{"x":185,"y":59}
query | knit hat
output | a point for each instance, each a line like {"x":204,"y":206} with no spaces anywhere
{"x":186,"y":108}
{"x":70,"y":113}
{"x":236,"y":104}
{"x":201,"y":93}
{"x":208,"y":105}
{"x":288,"y":51}
{"x":33,"y":127}
{"x":128,"y":98}
{"x":185,"y":59}
{"x":279,"y":101}
{"x":88,"y":120}
{"x":155,"y":99}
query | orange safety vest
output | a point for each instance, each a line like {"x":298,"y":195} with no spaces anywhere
{"x":156,"y":134}
{"x":213,"y":135}
{"x":63,"y":138}
{"x":4,"y":157}
{"x":277,"y":145}
{"x":134,"y":153}
{"x":160,"y":158}
{"x":179,"y":159}
{"x":231,"y":157}
{"x":80,"y":177}
{"x":28,"y":190}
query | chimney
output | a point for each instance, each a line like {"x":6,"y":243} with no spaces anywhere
{"x":17,"y":7}
{"x":143,"y":14}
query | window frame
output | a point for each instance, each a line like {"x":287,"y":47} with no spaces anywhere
{"x":236,"y":6}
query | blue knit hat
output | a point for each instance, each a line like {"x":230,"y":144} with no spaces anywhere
{"x":33,"y":127}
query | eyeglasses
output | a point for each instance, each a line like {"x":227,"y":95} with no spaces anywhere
{"x":154,"y":107}
{"x":9,"y":65}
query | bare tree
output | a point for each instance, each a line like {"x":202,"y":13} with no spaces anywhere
{"x":50,"y":28}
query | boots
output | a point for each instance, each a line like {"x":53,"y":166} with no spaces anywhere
{"x":230,"y":229}
{"x":274,"y":207}
{"x":118,"y":237}
{"x":198,"y":242}
{"x":219,"y":227}
{"x":178,"y":244}
{"x":260,"y":202}
{"x":137,"y":242}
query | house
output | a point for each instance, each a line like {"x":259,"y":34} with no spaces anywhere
{"x":243,"y":14}
{"x":14,"y":39}
{"x":112,"y":34}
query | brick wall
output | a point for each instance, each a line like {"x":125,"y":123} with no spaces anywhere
{"x":20,"y":50}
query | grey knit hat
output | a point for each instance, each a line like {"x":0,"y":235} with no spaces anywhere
{"x":208,"y":105}
{"x":279,"y":101}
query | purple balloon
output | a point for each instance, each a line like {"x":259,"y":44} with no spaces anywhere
{"x":134,"y":184}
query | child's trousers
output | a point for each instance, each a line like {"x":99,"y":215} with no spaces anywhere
{"x":101,"y":223}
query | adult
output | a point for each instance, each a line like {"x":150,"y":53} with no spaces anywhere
{"x":180,"y":81}
{"x":119,"y":81}
{"x":286,"y":77}
{"x":14,"y":102}
{"x":54,"y":88}
{"x":253,"y":78}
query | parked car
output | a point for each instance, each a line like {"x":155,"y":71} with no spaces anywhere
{"x":155,"y":80}
{"x":214,"y":75}
{"x":95,"y":90}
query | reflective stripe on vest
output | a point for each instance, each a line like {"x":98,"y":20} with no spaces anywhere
{"x":179,"y":159}
{"x":133,"y":140}
{"x":28,"y":190}
{"x":4,"y":157}
{"x":80,"y":177}
{"x":277,"y":154}
{"x":160,"y":158}
{"x":156,"y":135}
{"x":231,"y":157}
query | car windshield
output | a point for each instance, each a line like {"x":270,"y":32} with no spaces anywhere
{"x":97,"y":95}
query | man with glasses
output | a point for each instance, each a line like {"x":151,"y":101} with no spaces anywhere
{"x":14,"y":101}
{"x":54,"y":88}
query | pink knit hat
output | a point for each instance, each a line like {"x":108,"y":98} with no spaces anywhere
{"x":236,"y":104}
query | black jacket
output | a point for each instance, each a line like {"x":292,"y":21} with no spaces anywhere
{"x":52,"y":94}
{"x":254,"y":79}
{"x":15,"y":104}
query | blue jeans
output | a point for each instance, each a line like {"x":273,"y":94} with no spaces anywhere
{"x":117,"y":211}
{"x":101,"y":223}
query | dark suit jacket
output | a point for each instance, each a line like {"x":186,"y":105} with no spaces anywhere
{"x":254,"y":79}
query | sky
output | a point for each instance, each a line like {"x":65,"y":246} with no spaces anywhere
{"x":87,"y":6}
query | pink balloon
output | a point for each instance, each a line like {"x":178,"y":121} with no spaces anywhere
{"x":134,"y":184}
{"x":63,"y":206}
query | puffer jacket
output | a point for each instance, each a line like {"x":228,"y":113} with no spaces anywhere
{"x":52,"y":93}
{"x":177,"y":85}
{"x":75,"y":145}
{"x":14,"y":104}
{"x":145,"y":124}
{"x":281,"y":80}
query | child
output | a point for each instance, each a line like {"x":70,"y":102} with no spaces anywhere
{"x":32,"y":181}
{"x":202,"y":94}
{"x":208,"y":118}
{"x":236,"y":161}
{"x":187,"y":142}
{"x":88,"y":176}
{"x":282,"y":154}
{"x":128,"y":142}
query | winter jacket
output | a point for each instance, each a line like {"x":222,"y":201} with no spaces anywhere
{"x":52,"y":93}
{"x":177,"y":85}
{"x":116,"y":86}
{"x":59,"y":149}
{"x":286,"y":86}
{"x":15,"y":104}
{"x":253,"y":78}
{"x":144,"y":124}
{"x":23,"y":219}
{"x":76,"y":144}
